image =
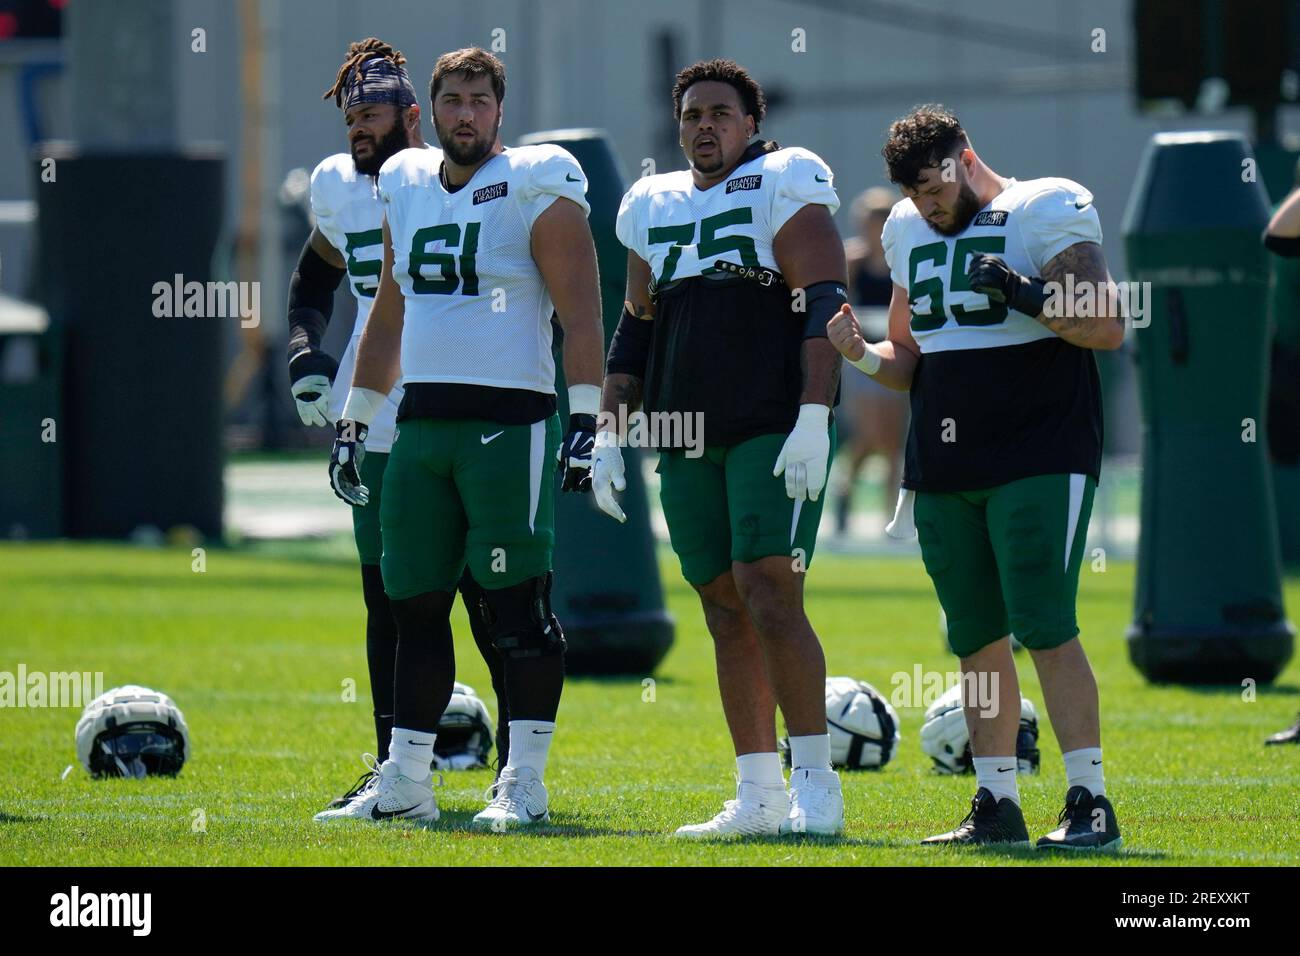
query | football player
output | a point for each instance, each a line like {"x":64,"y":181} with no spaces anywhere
{"x":1004,"y":450}
{"x":748,"y":354}
{"x":379,"y":108}
{"x":480,"y":245}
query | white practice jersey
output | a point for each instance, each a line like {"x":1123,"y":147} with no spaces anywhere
{"x":477,"y":310}
{"x":1026,"y":225}
{"x":349,"y":215}
{"x":997,"y":396}
{"x":680,"y":230}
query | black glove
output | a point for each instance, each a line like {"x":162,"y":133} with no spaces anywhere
{"x":575,"y":452}
{"x":311,"y":376}
{"x":345,"y":462}
{"x":991,"y":276}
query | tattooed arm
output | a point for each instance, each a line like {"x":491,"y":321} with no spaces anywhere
{"x":625,"y":388}
{"x":1103,"y":326}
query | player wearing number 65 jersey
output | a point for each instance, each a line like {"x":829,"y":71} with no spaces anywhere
{"x":1001,"y":293}
{"x":748,"y":354}
{"x":481,"y":244}
{"x":377,"y":100}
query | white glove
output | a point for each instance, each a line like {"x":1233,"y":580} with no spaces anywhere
{"x":607,"y":474}
{"x":311,"y":394}
{"x":805,"y":455}
{"x":903,"y":526}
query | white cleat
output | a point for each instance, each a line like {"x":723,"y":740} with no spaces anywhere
{"x":756,"y":811}
{"x":519,"y":801}
{"x":388,"y":796}
{"x":816,"y":803}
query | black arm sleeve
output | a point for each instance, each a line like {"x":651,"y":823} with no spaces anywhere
{"x":311,"y":300}
{"x":1288,"y":247}
{"x":822,"y":300}
{"x":629,"y":349}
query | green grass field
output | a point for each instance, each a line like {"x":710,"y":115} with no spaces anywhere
{"x":256,"y":651}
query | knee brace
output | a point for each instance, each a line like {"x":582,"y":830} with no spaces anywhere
{"x":519,"y":619}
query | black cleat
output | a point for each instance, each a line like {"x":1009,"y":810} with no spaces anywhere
{"x":1289,"y":736}
{"x":989,"y":822}
{"x":362,"y":782}
{"x":1086,"y":823}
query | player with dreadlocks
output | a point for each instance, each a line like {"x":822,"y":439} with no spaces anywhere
{"x":480,"y":247}
{"x":379,"y":107}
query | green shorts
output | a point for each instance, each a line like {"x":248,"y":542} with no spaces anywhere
{"x":365,"y":521}
{"x":725,"y":506}
{"x":1006,"y":560}
{"x":467,"y":491}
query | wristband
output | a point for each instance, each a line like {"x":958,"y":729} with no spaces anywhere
{"x":584,"y":399}
{"x":869,"y":363}
{"x":363,"y":405}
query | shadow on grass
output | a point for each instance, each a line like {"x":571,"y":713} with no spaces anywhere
{"x":1047,"y":857}
{"x":618,"y":680}
{"x":1231,"y":690}
{"x":14,"y":818}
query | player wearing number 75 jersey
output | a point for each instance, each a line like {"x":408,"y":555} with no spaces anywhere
{"x":1001,"y":293}
{"x":749,"y":356}
{"x":481,"y":244}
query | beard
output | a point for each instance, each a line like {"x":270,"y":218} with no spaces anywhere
{"x":963,"y":211}
{"x":465,"y":154}
{"x":390,"y":144}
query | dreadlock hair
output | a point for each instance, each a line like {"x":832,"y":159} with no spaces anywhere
{"x":722,"y":71}
{"x":923,"y":138}
{"x":358,"y":52}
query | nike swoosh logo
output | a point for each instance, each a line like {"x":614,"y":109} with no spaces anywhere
{"x":820,"y":180}
{"x":1096,"y":763}
{"x":543,"y":731}
{"x":536,"y":816}
{"x":487,"y":438}
{"x":571,"y":179}
{"x":377,"y":814}
{"x":1005,"y":769}
{"x":1082,"y":205}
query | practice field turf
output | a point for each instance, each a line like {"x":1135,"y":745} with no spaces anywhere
{"x":257,"y":650}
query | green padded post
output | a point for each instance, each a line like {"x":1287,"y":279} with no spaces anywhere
{"x":607,"y":595}
{"x":1208,"y":607}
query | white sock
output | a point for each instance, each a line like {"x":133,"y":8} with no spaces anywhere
{"x":530,"y":743}
{"x":762,"y":769}
{"x":998,"y":776}
{"x":1083,"y":769}
{"x":812,"y":752}
{"x":412,"y":751}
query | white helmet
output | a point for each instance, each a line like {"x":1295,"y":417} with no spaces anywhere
{"x":132,"y":731}
{"x":946,"y":740}
{"x":465,"y":732}
{"x":863,"y":727}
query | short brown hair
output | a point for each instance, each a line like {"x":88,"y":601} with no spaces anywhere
{"x":722,"y":71}
{"x":473,"y":62}
{"x":923,"y":138}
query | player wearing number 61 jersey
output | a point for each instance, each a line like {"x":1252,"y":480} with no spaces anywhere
{"x":481,"y":245}
{"x":377,"y":101}
{"x":1001,"y":293}
{"x":743,"y":348}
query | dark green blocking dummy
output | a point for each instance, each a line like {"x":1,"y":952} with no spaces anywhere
{"x":1208,"y":607}
{"x":607,"y":594}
